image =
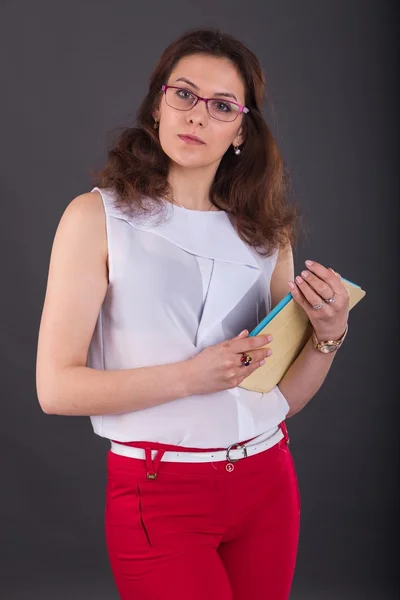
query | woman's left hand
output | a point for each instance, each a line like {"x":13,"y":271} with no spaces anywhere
{"x":314,"y":288}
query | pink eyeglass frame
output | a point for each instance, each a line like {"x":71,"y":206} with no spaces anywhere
{"x":242,"y":109}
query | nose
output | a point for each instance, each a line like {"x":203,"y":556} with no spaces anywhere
{"x":198,"y":114}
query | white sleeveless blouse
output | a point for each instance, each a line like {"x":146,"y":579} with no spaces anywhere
{"x":177,"y":285}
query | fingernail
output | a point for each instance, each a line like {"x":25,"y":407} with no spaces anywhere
{"x":262,"y":362}
{"x":305,"y":273}
{"x":299,"y":279}
{"x":309,"y":263}
{"x":269,"y":352}
{"x":291,"y":285}
{"x":270,"y":338}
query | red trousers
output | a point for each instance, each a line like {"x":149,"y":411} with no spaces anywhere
{"x":200,"y":531}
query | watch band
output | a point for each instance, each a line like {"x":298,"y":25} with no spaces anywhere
{"x":327,"y":346}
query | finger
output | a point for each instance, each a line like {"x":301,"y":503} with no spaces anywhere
{"x":320,"y":287}
{"x":255,"y":355}
{"x":253,"y":367}
{"x":257,"y":341}
{"x":300,"y":298}
{"x":244,"y":372}
{"x":327,"y":275}
{"x":250,"y":343}
{"x":308,"y":292}
{"x":242,"y":334}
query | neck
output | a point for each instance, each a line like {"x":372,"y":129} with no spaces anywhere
{"x":191,"y":187}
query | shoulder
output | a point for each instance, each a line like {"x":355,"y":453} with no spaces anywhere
{"x":83,"y":223}
{"x":88,"y":205}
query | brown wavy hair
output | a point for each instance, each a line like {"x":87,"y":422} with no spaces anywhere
{"x":253,"y":188}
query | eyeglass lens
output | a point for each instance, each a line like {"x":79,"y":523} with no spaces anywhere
{"x":182,"y":99}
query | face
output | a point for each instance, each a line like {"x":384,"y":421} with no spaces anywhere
{"x":209,"y":77}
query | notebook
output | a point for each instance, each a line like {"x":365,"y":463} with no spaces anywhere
{"x":290,"y":327}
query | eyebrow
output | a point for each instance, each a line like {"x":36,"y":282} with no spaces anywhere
{"x":196,"y":87}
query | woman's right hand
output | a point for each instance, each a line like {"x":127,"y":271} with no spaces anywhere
{"x":219,"y":367}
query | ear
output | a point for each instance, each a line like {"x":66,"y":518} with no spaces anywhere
{"x":239,"y":139}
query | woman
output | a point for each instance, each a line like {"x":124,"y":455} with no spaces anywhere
{"x":156,"y":277}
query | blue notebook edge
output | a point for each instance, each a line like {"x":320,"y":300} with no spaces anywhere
{"x":285,"y":300}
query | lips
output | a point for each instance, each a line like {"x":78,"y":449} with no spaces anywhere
{"x":191,"y":139}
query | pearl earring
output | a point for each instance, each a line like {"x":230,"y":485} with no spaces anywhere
{"x":237,"y":150}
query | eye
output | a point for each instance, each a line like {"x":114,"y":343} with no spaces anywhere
{"x":222,"y":106}
{"x":184,"y":94}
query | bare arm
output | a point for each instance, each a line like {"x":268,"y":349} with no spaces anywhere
{"x":77,"y":284}
{"x":76,"y":287}
{"x":308,"y":372}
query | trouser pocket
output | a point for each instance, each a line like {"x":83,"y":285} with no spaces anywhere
{"x":125,"y":521}
{"x":142,"y":521}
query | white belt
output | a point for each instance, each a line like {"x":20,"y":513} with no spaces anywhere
{"x":232,"y":454}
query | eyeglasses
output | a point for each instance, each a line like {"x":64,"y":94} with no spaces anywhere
{"x":218,"y":108}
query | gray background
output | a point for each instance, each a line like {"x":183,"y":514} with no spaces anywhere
{"x":74,"y":71}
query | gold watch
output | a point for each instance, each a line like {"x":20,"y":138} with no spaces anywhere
{"x":328,"y":346}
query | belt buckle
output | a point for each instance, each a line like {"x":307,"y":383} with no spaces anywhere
{"x":235,"y":447}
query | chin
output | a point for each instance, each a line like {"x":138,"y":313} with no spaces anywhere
{"x":189,"y":159}
{"x":189,"y":164}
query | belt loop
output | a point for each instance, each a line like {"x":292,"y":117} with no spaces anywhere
{"x":152,"y":466}
{"x":285,"y":432}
